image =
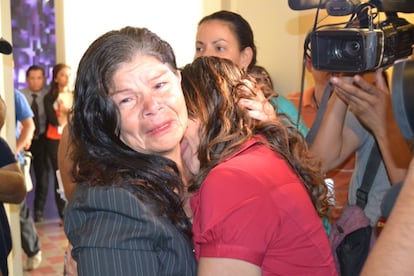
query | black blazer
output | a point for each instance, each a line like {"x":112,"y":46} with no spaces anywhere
{"x":114,"y":233}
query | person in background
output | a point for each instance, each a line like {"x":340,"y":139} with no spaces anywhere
{"x":228,"y":35}
{"x":57,"y":102}
{"x":259,"y":194}
{"x":35,"y":93}
{"x":359,"y":116}
{"x":25,"y":128}
{"x":312,"y":97}
{"x":12,"y":190}
{"x":125,"y":216}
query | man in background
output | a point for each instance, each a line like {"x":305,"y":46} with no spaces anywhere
{"x":34,"y":93}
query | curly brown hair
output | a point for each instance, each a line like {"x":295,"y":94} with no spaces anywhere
{"x":212,"y":88}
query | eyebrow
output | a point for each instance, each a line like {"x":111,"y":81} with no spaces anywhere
{"x":152,"y":78}
{"x":119,"y":92}
{"x":159,"y":74}
{"x":214,"y":42}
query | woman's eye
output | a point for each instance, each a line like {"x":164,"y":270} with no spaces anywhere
{"x":127,"y":101}
{"x":160,"y":85}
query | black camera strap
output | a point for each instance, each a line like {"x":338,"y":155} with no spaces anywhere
{"x":369,"y":175}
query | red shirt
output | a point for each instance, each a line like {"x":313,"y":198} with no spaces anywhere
{"x":253,"y":207}
{"x":53,"y":132}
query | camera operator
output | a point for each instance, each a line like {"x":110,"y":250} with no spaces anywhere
{"x":368,"y":120}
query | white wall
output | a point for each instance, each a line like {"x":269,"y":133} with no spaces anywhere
{"x":277,"y":29}
{"x":80,"y":22}
{"x":278,"y":36}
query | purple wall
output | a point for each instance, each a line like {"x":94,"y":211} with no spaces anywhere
{"x":33,"y":37}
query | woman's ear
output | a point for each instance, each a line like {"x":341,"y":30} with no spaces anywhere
{"x":246,"y":57}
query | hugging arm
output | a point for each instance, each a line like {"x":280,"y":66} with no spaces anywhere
{"x":259,"y":107}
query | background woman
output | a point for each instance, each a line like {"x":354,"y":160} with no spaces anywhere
{"x":228,"y":35}
{"x":57,"y":103}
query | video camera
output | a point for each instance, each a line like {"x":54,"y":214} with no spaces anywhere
{"x":357,"y":50}
{"x":361,"y":45}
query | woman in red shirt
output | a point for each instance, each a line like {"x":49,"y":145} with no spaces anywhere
{"x":57,"y":105}
{"x":258,"y":194}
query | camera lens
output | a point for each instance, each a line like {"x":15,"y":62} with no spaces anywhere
{"x":337,"y":53}
{"x":352,"y":48}
{"x":346,"y":49}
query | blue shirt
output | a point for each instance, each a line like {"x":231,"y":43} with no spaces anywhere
{"x":284,"y":105}
{"x":23,"y":111}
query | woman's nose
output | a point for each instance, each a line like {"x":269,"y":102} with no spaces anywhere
{"x":151,"y":105}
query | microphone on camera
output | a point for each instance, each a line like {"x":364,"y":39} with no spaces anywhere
{"x":299,"y":5}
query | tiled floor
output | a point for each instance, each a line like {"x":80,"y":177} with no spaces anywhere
{"x":53,"y":244}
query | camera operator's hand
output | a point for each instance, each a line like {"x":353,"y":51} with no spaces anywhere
{"x":369,"y":101}
{"x":372,"y":105}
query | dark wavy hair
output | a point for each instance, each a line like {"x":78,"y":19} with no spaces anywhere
{"x":241,"y":29}
{"x":212,"y":88}
{"x":100,"y":157}
{"x":54,"y":87}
